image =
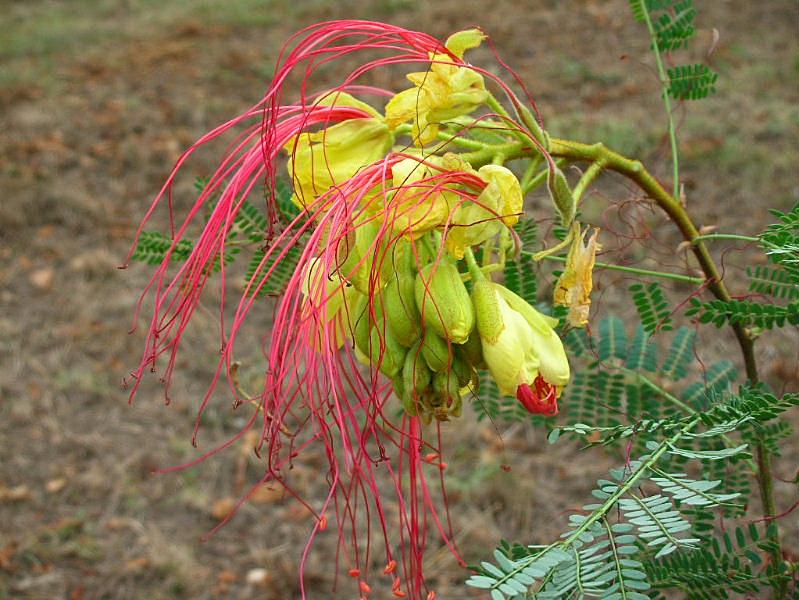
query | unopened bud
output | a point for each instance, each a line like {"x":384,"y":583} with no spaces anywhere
{"x":402,"y":314}
{"x":363,"y":261}
{"x":375,"y":340}
{"x":436,"y":352}
{"x":447,"y":396}
{"x":415,"y":372}
{"x":472,"y":352}
{"x":443,"y":301}
{"x":561,"y":195}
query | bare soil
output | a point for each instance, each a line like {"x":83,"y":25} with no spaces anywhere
{"x":97,"y":100}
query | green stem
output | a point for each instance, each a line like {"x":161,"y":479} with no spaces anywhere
{"x":608,"y":504}
{"x":635,"y":171}
{"x":461,"y":141}
{"x":687,"y":409}
{"x":725,"y":236}
{"x":675,"y":160}
{"x":474,"y":269}
{"x":623,"y":269}
{"x":629,"y":484}
{"x":586,"y":180}
{"x":496,"y":106}
{"x":530,"y":171}
{"x":539,"y":178}
{"x":478,"y":158}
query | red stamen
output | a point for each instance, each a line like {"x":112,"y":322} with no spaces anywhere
{"x":543,"y":400}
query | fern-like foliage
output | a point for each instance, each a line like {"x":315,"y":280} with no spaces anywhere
{"x":520,"y":277}
{"x":652,"y":307}
{"x":691,"y":82}
{"x":642,"y":353}
{"x":599,"y":558}
{"x":680,"y":354}
{"x":780,"y":241}
{"x":675,"y":26}
{"x":619,"y":384}
{"x":744,"y":312}
{"x":520,"y":273}
{"x":153,"y":247}
{"x":612,"y":339}
{"x":278,"y":274}
{"x":773,"y":282}
{"x":251,"y":224}
{"x":731,"y":563}
{"x":751,"y":405}
{"x":716,"y":380}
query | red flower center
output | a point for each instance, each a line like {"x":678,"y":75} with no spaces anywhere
{"x":543,"y":400}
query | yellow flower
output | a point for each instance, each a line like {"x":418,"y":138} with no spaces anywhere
{"x":500,"y":203}
{"x":415,"y":206}
{"x":574,"y":286}
{"x":444,"y":92}
{"x":519,"y":343}
{"x":328,"y":299}
{"x":323,"y":159}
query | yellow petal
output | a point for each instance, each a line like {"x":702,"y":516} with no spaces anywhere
{"x":320,"y":160}
{"x":461,"y":41}
{"x":507,"y":339}
{"x":573,"y":289}
{"x":339,"y":99}
{"x":510,"y":191}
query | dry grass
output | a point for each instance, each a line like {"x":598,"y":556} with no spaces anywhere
{"x":96,"y":101}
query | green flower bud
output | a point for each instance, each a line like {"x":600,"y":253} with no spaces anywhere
{"x":472,"y":352}
{"x":375,"y":342}
{"x":400,"y":306}
{"x":358,"y":254}
{"x":463,"y":372}
{"x":561,"y":195}
{"x":415,"y":372}
{"x":436,"y":352}
{"x":443,"y":301}
{"x":446,"y":396}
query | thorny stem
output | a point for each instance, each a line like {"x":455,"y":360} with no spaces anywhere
{"x":635,"y":171}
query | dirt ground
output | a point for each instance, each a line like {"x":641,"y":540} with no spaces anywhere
{"x":97,"y":100}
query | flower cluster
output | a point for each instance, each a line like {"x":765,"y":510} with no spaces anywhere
{"x":391,"y":317}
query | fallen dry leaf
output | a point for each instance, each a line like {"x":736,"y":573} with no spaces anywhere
{"x":135,"y":565}
{"x":7,"y":555}
{"x":258,"y":577}
{"x":267,"y":494}
{"x":15,"y":494}
{"x":222,"y":508}
{"x":42,"y":279}
{"x":77,"y":593}
{"x":55,"y":485}
{"x":226,"y":577}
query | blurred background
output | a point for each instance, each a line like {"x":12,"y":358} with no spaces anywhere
{"x":97,"y":100}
